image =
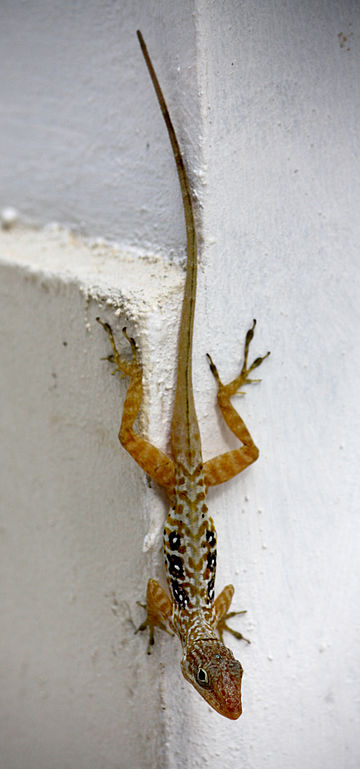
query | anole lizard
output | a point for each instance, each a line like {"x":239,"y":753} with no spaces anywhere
{"x":189,"y":532}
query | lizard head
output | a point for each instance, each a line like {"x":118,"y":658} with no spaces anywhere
{"x":215,"y":673}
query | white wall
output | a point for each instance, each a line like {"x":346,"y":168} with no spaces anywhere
{"x":264,"y":96}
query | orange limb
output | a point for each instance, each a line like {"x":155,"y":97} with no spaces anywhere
{"x":221,"y":614}
{"x":225,"y":466}
{"x":152,"y":460}
{"x":158,"y":606}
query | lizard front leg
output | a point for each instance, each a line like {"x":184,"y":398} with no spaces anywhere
{"x":152,"y":460}
{"x":220,"y":611}
{"x":158,"y":611}
{"x":225,"y":466}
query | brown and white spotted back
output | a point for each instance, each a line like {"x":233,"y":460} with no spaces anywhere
{"x":190,"y":550}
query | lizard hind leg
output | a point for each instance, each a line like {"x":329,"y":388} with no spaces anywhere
{"x":226,"y":466}
{"x":158,"y":607}
{"x":152,"y":460}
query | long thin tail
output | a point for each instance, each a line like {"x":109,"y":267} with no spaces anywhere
{"x":185,"y":437}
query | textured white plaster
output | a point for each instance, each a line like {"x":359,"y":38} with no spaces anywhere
{"x":74,"y":507}
{"x":264,"y":96}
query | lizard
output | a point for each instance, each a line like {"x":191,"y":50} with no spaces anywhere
{"x":190,"y":609}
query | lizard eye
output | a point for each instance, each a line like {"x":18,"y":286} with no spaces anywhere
{"x":202,"y":677}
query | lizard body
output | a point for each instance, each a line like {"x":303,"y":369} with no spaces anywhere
{"x":191,"y":612}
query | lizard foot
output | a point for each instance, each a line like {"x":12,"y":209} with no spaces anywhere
{"x":125,"y":367}
{"x":222,"y":627}
{"x":158,"y":608}
{"x":243,"y":378}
